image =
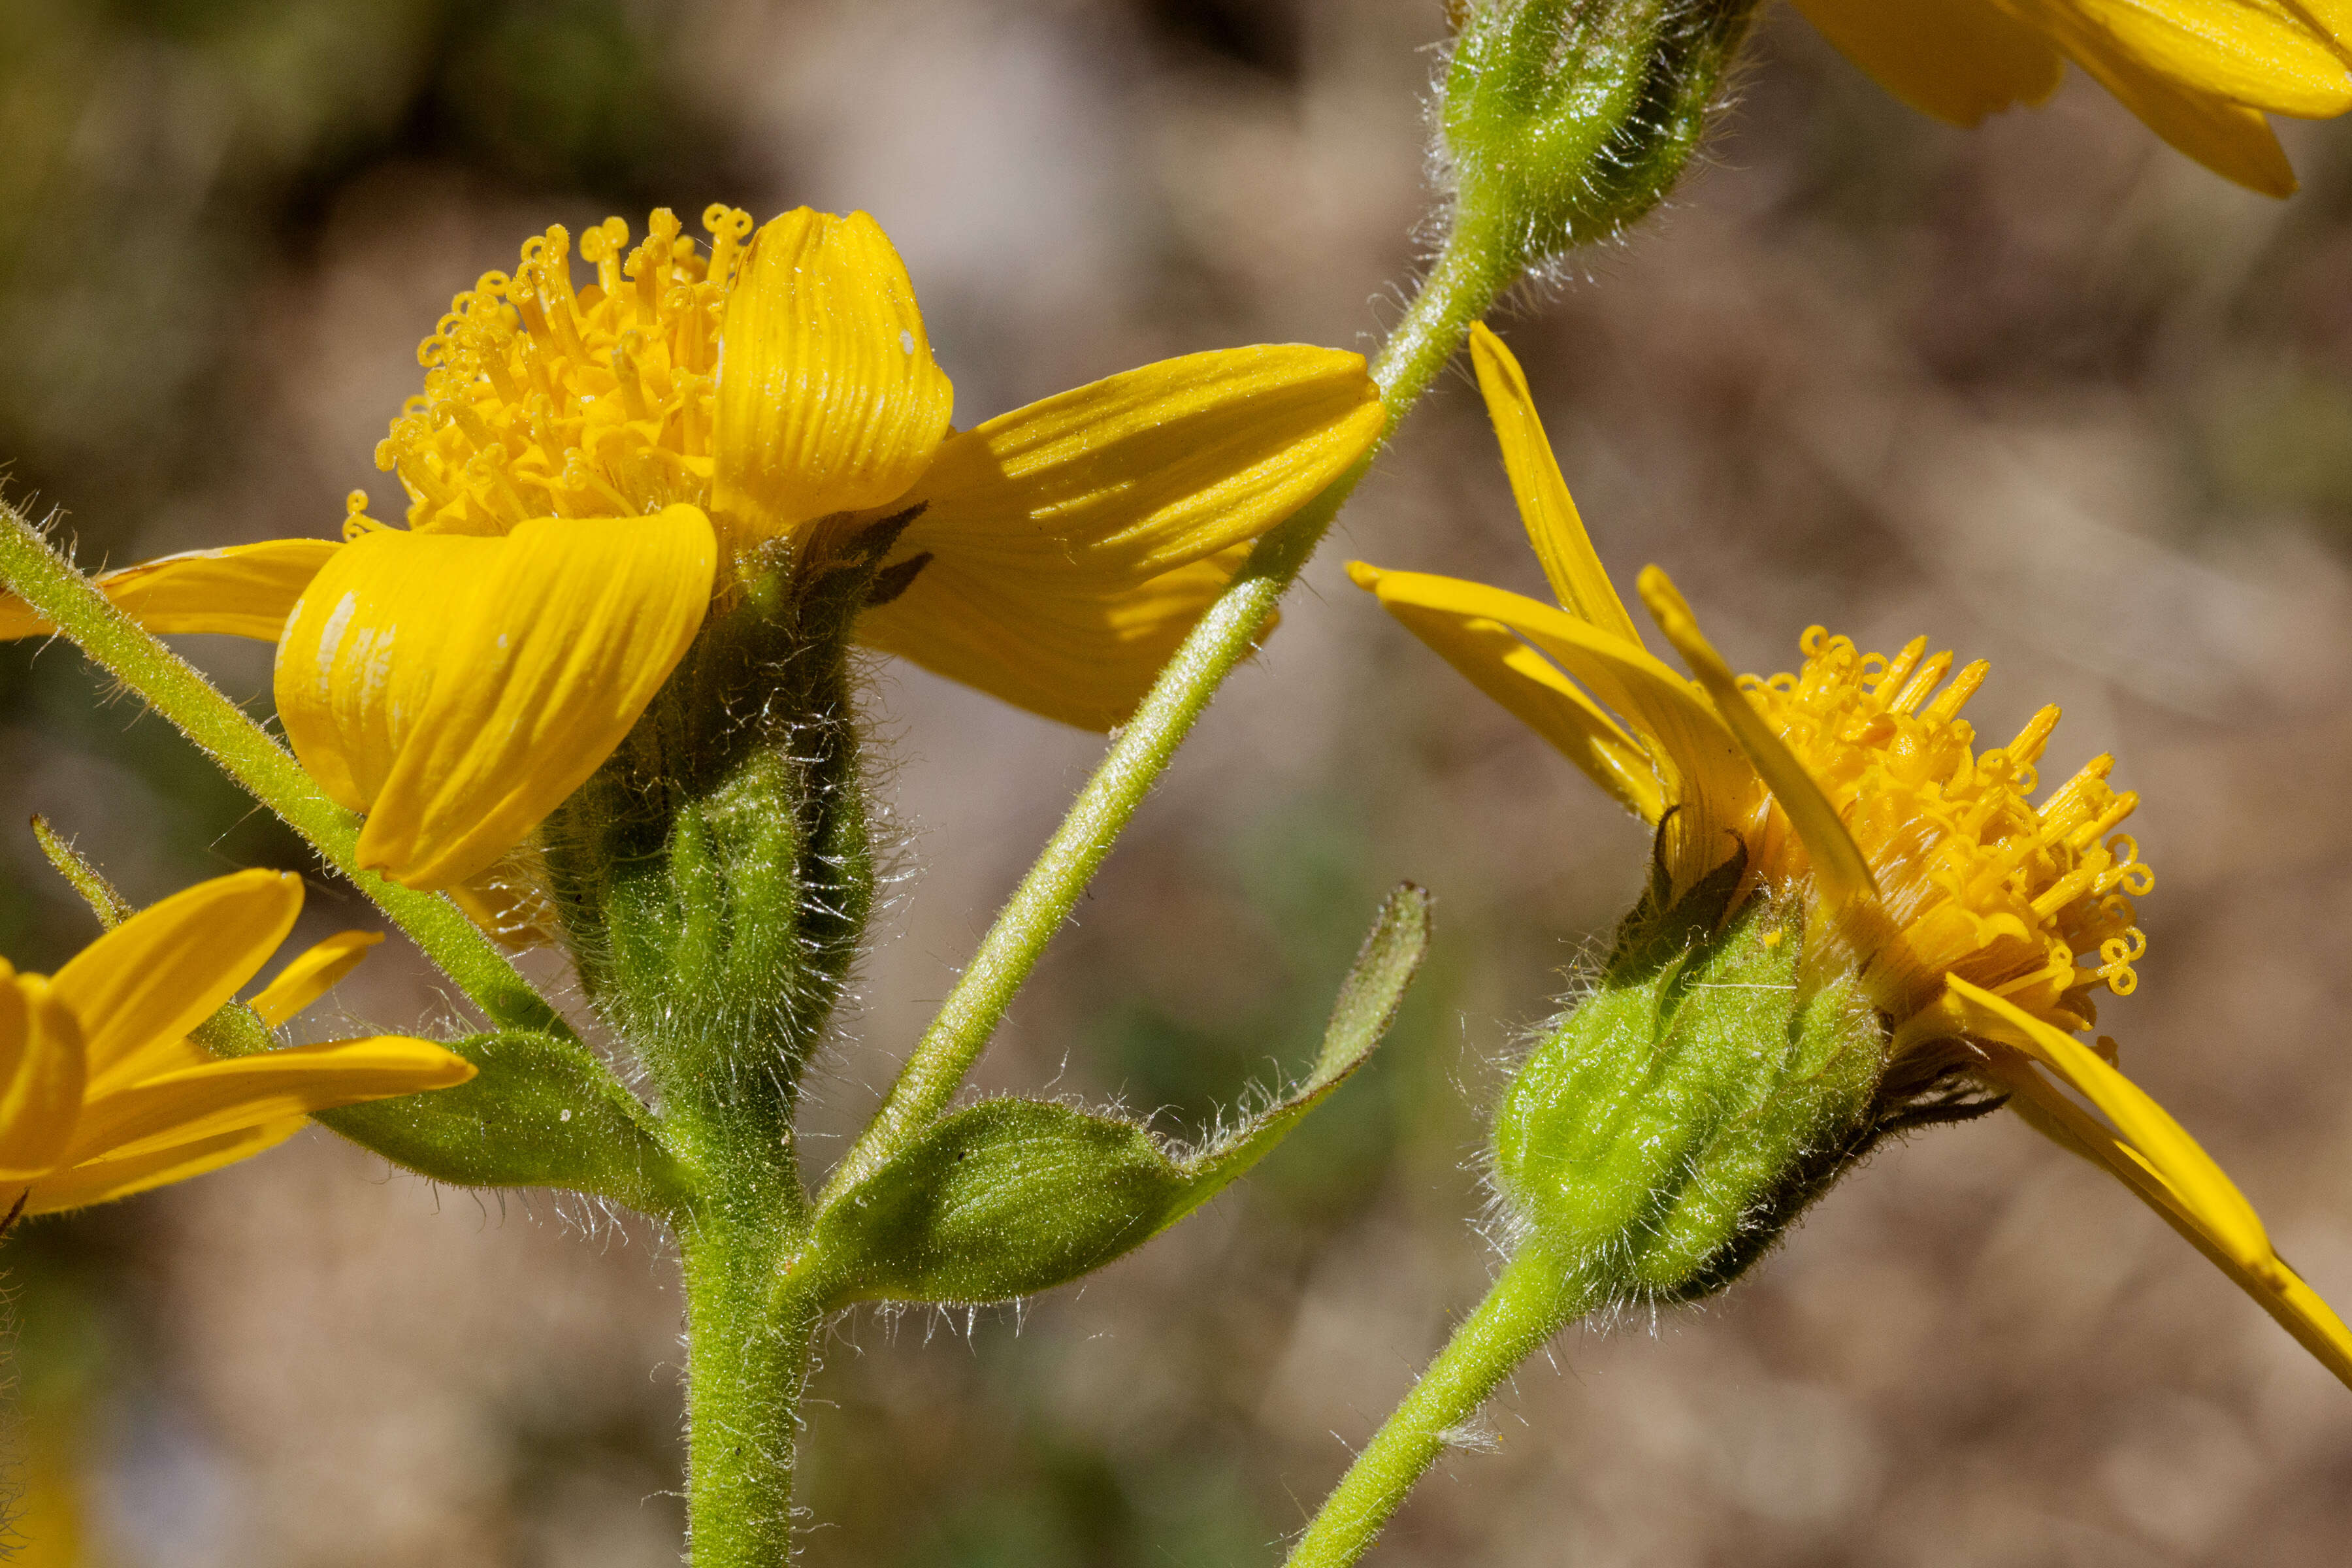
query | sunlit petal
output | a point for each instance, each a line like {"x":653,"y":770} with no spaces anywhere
{"x":1839,"y":873}
{"x":456,"y":690}
{"x":1550,"y":512}
{"x":225,"y":1096}
{"x":102,"y":1180}
{"x":1532,"y":688}
{"x":1959,"y":60}
{"x":241,"y":590}
{"x":166,"y":969}
{"x":2228,"y":137}
{"x":828,"y":397}
{"x":1704,"y":776}
{"x":42,"y":1070}
{"x":2264,"y":54}
{"x":1063,"y":550}
{"x":2276,"y":1287}
{"x":311,"y":976}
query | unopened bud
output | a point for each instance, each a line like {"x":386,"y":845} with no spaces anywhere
{"x":1564,"y":121}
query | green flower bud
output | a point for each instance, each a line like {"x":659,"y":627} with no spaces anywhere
{"x":1679,"y":1117}
{"x":713,"y":878}
{"x":1564,"y":121}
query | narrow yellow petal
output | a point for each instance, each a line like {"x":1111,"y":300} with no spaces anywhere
{"x":311,"y":976}
{"x":1703,"y":779}
{"x":102,"y":1180}
{"x":1063,"y":549}
{"x":1958,"y":60}
{"x":456,"y":690}
{"x":2147,"y":1128}
{"x":1553,"y":526}
{"x":828,"y":397}
{"x":1499,"y":663}
{"x":164,"y":970}
{"x":2264,"y":54}
{"x":1841,"y":875}
{"x":226,"y":1096}
{"x":2228,"y":137}
{"x":1081,"y":658}
{"x":2277,"y":1289}
{"x":242,"y":590}
{"x":1116,"y":482}
{"x":43,"y":1068}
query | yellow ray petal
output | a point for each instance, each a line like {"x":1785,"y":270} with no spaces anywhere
{"x":457,"y":689}
{"x":42,"y":1070}
{"x":311,"y":976}
{"x":1841,"y":875}
{"x":1082,"y":658}
{"x":1958,"y":60}
{"x":2276,"y":1287}
{"x":2264,"y":54}
{"x":357,"y":661}
{"x":102,"y":1180}
{"x":223,"y":1096}
{"x":1703,"y":775}
{"x":1554,"y":527}
{"x":1114,"y":483}
{"x":1063,"y":549}
{"x":1495,"y":660}
{"x":2149,"y":1131}
{"x":2228,"y":138}
{"x":828,"y":397}
{"x":164,"y":970}
{"x":2280,"y":1290}
{"x":242,"y":590}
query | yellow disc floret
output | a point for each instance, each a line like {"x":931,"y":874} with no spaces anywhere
{"x":1975,"y":879}
{"x":544,"y":401}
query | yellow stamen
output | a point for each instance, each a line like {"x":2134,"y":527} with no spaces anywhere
{"x":544,"y":401}
{"x":1976,"y":881}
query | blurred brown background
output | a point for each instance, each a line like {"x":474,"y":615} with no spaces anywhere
{"x":2044,"y":391}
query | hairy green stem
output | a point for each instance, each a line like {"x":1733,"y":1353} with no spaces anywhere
{"x":1533,"y":1298}
{"x":1474,"y":266}
{"x":248,"y":754}
{"x":747,"y":1361}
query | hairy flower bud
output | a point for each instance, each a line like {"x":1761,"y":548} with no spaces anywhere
{"x":1676,"y":1120}
{"x":1563,"y":121}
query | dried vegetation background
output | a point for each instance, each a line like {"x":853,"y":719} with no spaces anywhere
{"x":2045,"y":392}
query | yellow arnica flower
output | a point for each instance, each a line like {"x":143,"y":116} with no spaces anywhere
{"x":589,"y":468}
{"x":103,"y":1094}
{"x":1979,"y":923}
{"x":2200,"y":73}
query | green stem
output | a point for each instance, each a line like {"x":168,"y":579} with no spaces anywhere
{"x":253,"y":757}
{"x":1475,"y":265}
{"x":1533,"y":1298}
{"x":747,"y":1361}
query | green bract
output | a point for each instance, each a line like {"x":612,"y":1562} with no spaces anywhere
{"x":1678,"y":1118}
{"x":1564,"y":121}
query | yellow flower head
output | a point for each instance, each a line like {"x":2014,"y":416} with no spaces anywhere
{"x":1978,"y":923}
{"x":103,"y":1094}
{"x":591,"y":464}
{"x":2200,"y":73}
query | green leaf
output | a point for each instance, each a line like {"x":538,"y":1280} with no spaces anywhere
{"x":541,"y":1112}
{"x":1012,"y":1196}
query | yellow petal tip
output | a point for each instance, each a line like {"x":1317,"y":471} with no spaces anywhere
{"x":1365,"y":576}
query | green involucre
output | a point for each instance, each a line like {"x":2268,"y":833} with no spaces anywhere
{"x":1565,"y":120}
{"x":1682,"y":1115}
